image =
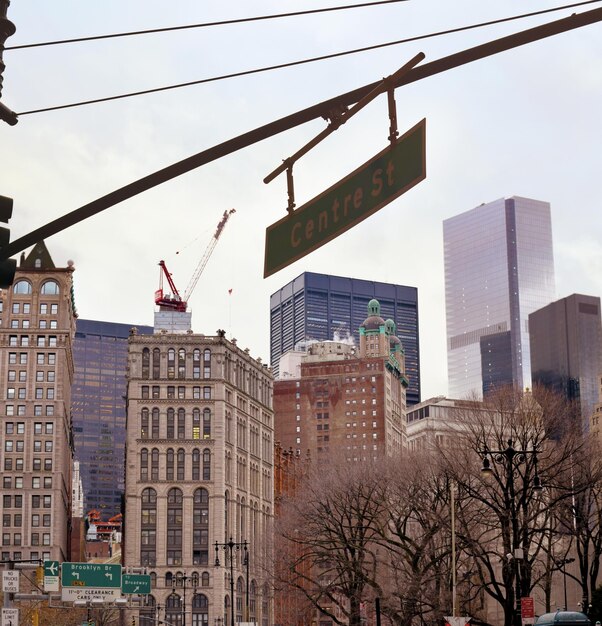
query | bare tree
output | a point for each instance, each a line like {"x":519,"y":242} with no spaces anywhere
{"x":327,"y":536}
{"x":511,"y":434}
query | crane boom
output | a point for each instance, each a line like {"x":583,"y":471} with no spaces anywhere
{"x":201,"y":266}
{"x":180,"y":303}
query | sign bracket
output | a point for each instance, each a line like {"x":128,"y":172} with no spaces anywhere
{"x":337,"y":117}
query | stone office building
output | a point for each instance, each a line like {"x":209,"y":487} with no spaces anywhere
{"x":199,"y":470}
{"x":37,"y":324}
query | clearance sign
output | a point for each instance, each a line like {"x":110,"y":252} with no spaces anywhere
{"x":354,"y":198}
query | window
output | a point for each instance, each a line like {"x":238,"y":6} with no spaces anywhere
{"x":43,"y":309}
{"x":171,"y":363}
{"x":50,"y":288}
{"x":22,"y":393}
{"x":196,"y":364}
{"x":206,"y":393}
{"x":180,"y":466}
{"x":206,"y":465}
{"x":196,"y":393}
{"x":207,"y":363}
{"x":144,"y":392}
{"x":171,"y":423}
{"x":50,"y":393}
{"x":171,"y":392}
{"x":49,"y":428}
{"x":169,"y":464}
{"x":206,"y":423}
{"x":155,"y":464}
{"x":196,"y":423}
{"x":10,"y":393}
{"x":48,"y":446}
{"x":22,"y":287}
{"x":54,"y":309}
{"x":145,"y":363}
{"x":200,"y":535}
{"x":148,"y":529}
{"x":12,"y":358}
{"x":155,"y":424}
{"x":41,"y":341}
{"x":196,"y":464}
{"x":181,"y":424}
{"x":156,"y":363}
{"x":144,"y":424}
{"x":16,"y":307}
{"x":9,"y":428}
{"x":10,"y":410}
{"x":51,"y":358}
{"x":181,"y":363}
{"x":156,"y":391}
{"x":181,"y":393}
{"x":144,"y":464}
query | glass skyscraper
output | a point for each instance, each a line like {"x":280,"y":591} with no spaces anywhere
{"x":100,"y":351}
{"x":315,"y":306}
{"x":566,"y":350}
{"x":499,"y":268}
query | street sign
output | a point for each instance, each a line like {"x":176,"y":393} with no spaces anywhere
{"x":94,"y":575}
{"x":51,"y":575}
{"x":70,"y":594}
{"x":136,"y":583}
{"x":10,"y":581}
{"x":354,"y":198}
{"x":527,"y":610}
{"x":10,"y":617}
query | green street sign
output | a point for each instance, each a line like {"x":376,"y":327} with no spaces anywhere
{"x":51,"y":568}
{"x":136,"y":583}
{"x":370,"y":187}
{"x":95,"y":575}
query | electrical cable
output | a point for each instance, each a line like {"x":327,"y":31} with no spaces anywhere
{"x":304,"y":61}
{"x":241,"y":20}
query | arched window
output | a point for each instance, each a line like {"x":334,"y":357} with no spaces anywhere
{"x":169,"y":464}
{"x":50,"y":288}
{"x":171,"y":363}
{"x":168,"y":579}
{"x":156,"y":363}
{"x":194,"y":579}
{"x":206,"y":464}
{"x":227,"y":608}
{"x":174,"y":526}
{"x":181,"y":363}
{"x":144,"y":464}
{"x":226,"y":514}
{"x":145,"y":363}
{"x":153,"y":581}
{"x":170,"y":423}
{"x":252,"y":601}
{"x":22,"y":287}
{"x":155,"y":464}
{"x":180,"y":469}
{"x":148,"y":527}
{"x":144,"y":424}
{"x":205,"y":579}
{"x":196,"y":364}
{"x":200,"y":527}
{"x":155,"y":424}
{"x":173,"y":609}
{"x":265,"y":606}
{"x":181,"y":424}
{"x":200,"y":610}
{"x":196,"y":464}
{"x":239,"y":598}
{"x":206,"y":423}
{"x":207,"y":363}
{"x":196,"y":423}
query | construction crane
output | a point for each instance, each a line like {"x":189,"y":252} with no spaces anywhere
{"x":174,"y":301}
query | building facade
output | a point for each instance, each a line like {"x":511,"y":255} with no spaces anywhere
{"x":199,"y":470}
{"x":499,"y":268}
{"x":36,"y":372}
{"x":566,"y":350}
{"x":100,"y":352}
{"x":346,"y":401}
{"x":318,"y":306}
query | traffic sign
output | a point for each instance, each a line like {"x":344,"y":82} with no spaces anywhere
{"x":91,"y":575}
{"x":10,"y":581}
{"x":354,"y":198}
{"x":136,"y":583}
{"x":70,"y":594}
{"x":51,"y":575}
{"x":10,"y":617}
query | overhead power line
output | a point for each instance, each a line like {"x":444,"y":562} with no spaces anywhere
{"x":166,"y":29}
{"x":323,"y":57}
{"x":320,"y":110}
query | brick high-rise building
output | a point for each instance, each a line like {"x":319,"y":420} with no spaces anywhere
{"x":346,"y":400}
{"x":199,"y":470}
{"x":36,"y":372}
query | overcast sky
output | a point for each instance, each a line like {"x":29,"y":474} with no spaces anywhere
{"x":525,"y":122}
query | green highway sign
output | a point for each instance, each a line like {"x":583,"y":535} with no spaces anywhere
{"x":136,"y":583}
{"x":52,"y":571}
{"x":354,"y":198}
{"x":94,"y":575}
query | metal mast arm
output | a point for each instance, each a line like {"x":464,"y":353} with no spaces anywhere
{"x":201,"y":266}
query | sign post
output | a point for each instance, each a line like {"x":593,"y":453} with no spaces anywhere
{"x":51,"y":575}
{"x":527,"y":610}
{"x":136,"y":583}
{"x":90,"y":581}
{"x":370,"y":187}
{"x":10,"y":617}
{"x":10,"y":581}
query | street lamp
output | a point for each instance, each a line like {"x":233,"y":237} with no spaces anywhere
{"x":562,"y":563}
{"x":183,"y":580}
{"x":229,"y":548}
{"x":510,"y":459}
